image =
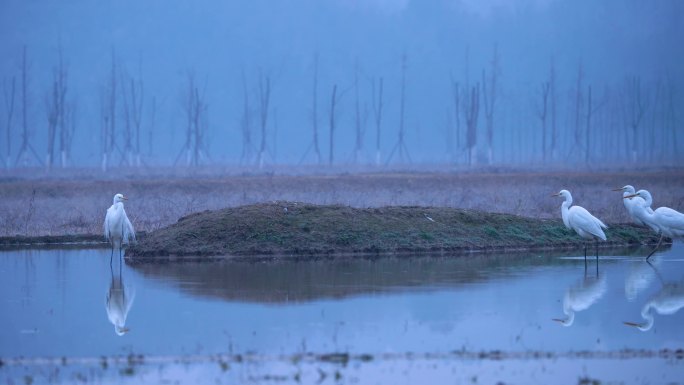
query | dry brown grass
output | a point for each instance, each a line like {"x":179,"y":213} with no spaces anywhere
{"x":41,"y":206}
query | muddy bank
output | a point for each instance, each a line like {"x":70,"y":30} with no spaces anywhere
{"x":298,"y":229}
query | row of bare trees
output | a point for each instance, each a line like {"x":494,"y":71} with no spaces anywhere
{"x":639,"y":118}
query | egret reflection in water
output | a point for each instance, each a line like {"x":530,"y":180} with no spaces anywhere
{"x":667,"y":301}
{"x":582,"y":295}
{"x":639,"y":278}
{"x":118,"y":301}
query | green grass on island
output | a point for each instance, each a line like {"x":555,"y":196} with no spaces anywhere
{"x":299,"y":229}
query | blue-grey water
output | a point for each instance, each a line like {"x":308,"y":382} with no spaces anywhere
{"x":413,"y":318}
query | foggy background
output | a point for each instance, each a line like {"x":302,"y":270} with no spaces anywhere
{"x":163,"y":83}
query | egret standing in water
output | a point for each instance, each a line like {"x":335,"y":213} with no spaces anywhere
{"x":634,"y":205}
{"x":663,"y":220}
{"x":579,"y":219}
{"x":118,"y":230}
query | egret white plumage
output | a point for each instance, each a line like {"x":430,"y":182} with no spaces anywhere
{"x":579,"y":219}
{"x":118,"y":229}
{"x":664,"y":220}
{"x":634,"y":205}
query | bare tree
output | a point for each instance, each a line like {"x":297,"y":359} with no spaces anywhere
{"x":489,"y":95}
{"x":333,"y":105}
{"x":456,"y":100}
{"x":359,"y":120}
{"x":552,"y":100}
{"x":132,"y":94}
{"x":401,"y":145}
{"x":108,"y":112}
{"x":636,"y":107}
{"x":671,"y":118}
{"x":264,"y":100}
{"x":25,"y":147}
{"x":376,"y":104}
{"x":591,"y":110}
{"x":195,"y":110}
{"x":246,"y":125}
{"x":577,"y":131}
{"x":314,"y":116}
{"x":52,"y":110}
{"x":9,"y":95}
{"x":542,"y":113}
{"x":471,"y":109}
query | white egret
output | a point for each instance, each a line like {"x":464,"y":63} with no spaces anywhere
{"x":581,"y":296}
{"x":118,"y":230}
{"x":118,"y":303}
{"x":633,"y":205}
{"x":663,"y":220}
{"x":579,"y":219}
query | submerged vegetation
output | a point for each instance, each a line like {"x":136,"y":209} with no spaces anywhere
{"x":299,"y":229}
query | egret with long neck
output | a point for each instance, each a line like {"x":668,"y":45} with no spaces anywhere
{"x":663,"y":220}
{"x":118,"y":229}
{"x":579,"y":219}
{"x":635,"y":205}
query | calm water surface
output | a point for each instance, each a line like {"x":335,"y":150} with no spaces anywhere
{"x":409,"y":318}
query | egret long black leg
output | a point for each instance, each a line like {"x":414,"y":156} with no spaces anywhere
{"x":657,"y":246}
{"x":597,"y":250}
{"x":111,"y":256}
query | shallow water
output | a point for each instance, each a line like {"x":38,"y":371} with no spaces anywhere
{"x":501,"y":318}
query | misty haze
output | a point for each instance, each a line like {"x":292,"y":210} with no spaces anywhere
{"x":341,"y":191}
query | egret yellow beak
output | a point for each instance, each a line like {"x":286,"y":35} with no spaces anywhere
{"x":630,"y":196}
{"x":555,"y":195}
{"x":124,"y":198}
{"x":617,"y":189}
{"x":636,"y":325}
{"x":557,"y":320}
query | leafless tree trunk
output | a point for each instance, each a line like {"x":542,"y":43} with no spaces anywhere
{"x":246,"y":125}
{"x":132,"y":92}
{"x":672,"y":119}
{"x":150,"y":132}
{"x":653,"y":134}
{"x":264,"y":100}
{"x":636,"y":108}
{"x":591,"y":110}
{"x":489,"y":95}
{"x":456,"y":98}
{"x":358,"y":119}
{"x":401,"y":145}
{"x":472,"y":110}
{"x":109,"y":117}
{"x":9,"y":109}
{"x":542,"y":113}
{"x":577,"y":132}
{"x":314,"y":112}
{"x":376,"y":104}
{"x":333,"y":104}
{"x":196,"y":110}
{"x":52,"y":110}
{"x":552,"y":96}
{"x":25,"y":135}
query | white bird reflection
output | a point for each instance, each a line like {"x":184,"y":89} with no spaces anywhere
{"x":639,"y":278}
{"x":667,"y":301}
{"x":118,"y":302}
{"x":582,"y":295}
